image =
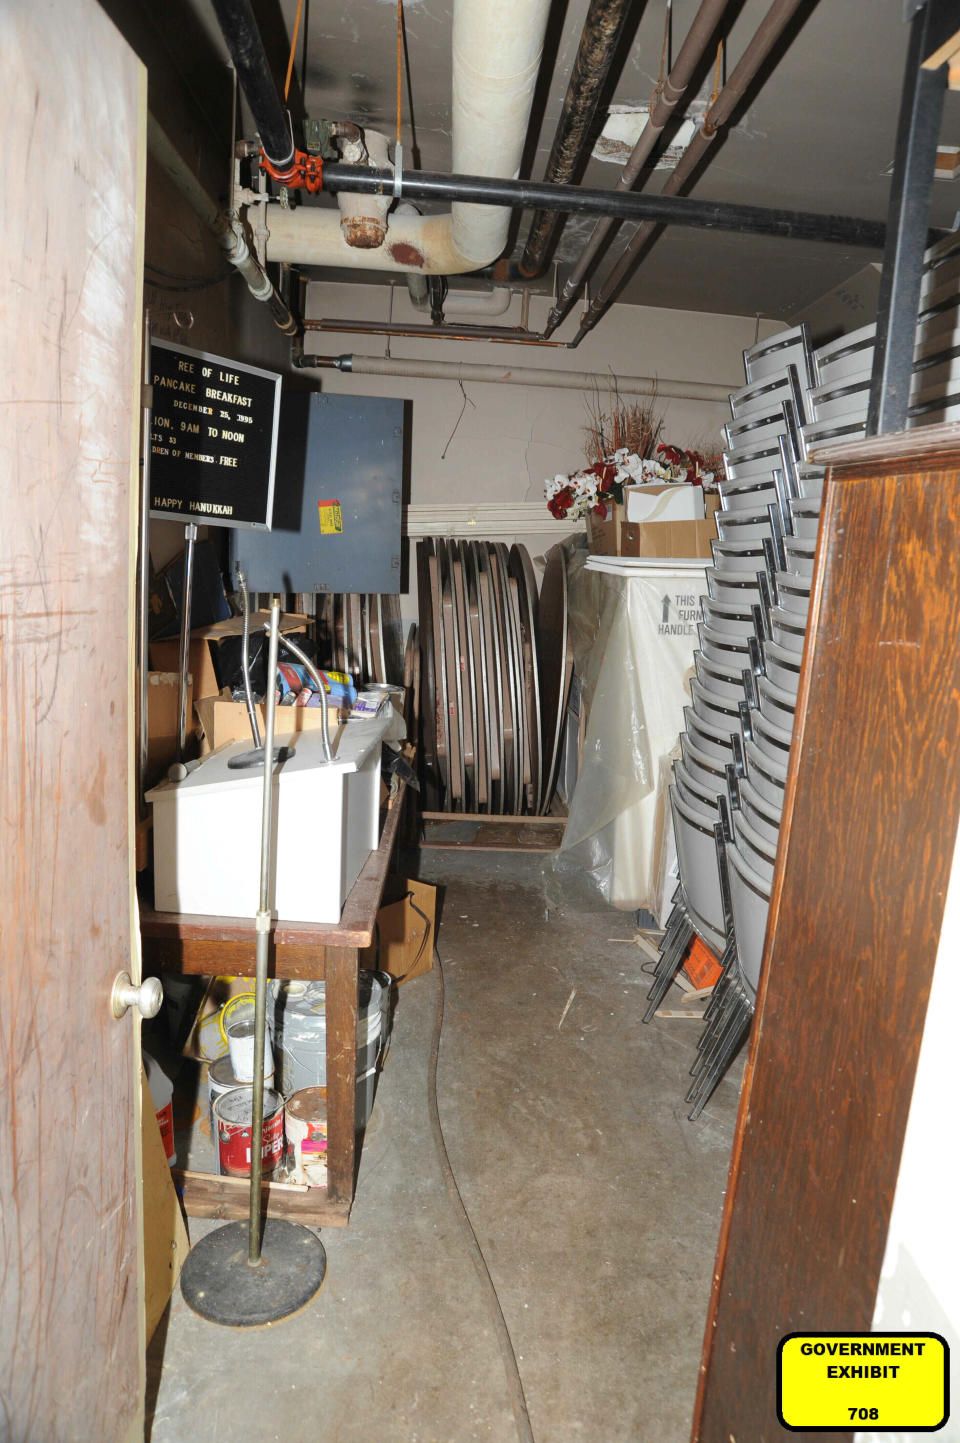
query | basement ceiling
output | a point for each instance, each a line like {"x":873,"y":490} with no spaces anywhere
{"x":818,"y":134}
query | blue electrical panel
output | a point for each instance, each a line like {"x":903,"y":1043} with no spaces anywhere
{"x":337,"y":498}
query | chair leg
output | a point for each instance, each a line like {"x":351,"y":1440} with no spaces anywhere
{"x":673,"y":949}
{"x":738,"y":1025}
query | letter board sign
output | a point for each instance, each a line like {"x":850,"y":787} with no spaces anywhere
{"x":213,"y":438}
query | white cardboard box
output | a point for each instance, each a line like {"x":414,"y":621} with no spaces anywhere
{"x":206,"y":829}
{"x":677,"y":502}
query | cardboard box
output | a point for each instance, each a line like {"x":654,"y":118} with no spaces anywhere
{"x":165,"y":655}
{"x":223,"y":720}
{"x":206,"y":1042}
{"x":604,"y":536}
{"x":671,"y":538}
{"x":163,"y":694}
{"x":406,"y":928}
{"x":678,"y":502}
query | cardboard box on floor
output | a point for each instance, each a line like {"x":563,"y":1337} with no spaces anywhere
{"x":406,"y":927}
{"x":671,"y":538}
{"x":224,"y":720}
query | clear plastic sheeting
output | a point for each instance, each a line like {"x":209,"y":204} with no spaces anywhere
{"x":633,"y":637}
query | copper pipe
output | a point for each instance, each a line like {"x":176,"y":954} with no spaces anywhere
{"x":768,"y":32}
{"x":498,"y":335}
{"x":674,"y":88}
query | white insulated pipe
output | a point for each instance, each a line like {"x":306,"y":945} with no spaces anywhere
{"x":497,"y":49}
{"x":478,"y":303}
{"x":519,"y":376}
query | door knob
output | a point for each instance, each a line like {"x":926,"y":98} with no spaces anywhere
{"x":146,"y":998}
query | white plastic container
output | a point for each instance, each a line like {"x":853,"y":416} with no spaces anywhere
{"x":207,"y":829}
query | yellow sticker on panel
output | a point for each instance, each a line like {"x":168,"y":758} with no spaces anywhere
{"x":870,"y":1381}
{"x":331,"y":517}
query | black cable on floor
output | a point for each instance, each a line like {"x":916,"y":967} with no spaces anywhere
{"x":514,"y":1384}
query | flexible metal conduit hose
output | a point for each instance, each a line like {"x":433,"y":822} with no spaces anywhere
{"x":317,"y":680}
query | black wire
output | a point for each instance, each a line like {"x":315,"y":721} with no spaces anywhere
{"x":514,"y":1382}
{"x":466,"y":398}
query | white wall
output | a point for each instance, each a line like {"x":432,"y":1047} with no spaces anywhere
{"x":511,"y":437}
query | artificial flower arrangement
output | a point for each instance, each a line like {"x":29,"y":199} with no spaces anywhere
{"x":622,"y":449}
{"x":595,"y":488}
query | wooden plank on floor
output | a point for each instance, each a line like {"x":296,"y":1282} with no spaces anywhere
{"x":480,"y":835}
{"x":205,"y":1195}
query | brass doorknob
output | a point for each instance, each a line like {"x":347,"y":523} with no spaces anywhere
{"x":147,"y":998}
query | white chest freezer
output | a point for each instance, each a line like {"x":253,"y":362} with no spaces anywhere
{"x":206,"y":829}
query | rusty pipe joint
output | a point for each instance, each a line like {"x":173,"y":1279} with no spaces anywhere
{"x":363,"y":218}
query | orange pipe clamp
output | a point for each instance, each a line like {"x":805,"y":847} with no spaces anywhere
{"x":305,"y":173}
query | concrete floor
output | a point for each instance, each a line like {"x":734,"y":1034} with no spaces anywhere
{"x":596,"y":1203}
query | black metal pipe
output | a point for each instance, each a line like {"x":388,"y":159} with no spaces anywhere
{"x":242,"y":34}
{"x":581,"y":200}
{"x":599,"y":41}
{"x":918,"y":134}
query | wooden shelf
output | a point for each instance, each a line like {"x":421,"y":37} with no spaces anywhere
{"x":218,"y":946}
{"x":184,"y":942}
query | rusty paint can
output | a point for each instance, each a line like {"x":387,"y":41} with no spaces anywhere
{"x":305,"y":1124}
{"x":233,"y":1115}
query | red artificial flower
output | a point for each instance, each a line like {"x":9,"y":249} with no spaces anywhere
{"x":600,"y":510}
{"x":561,"y":503}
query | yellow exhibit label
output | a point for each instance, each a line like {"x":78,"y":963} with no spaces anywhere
{"x":331,"y":517}
{"x":869,"y":1381}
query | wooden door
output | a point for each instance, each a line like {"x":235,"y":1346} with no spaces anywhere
{"x":70,"y":238}
{"x":866,"y":844}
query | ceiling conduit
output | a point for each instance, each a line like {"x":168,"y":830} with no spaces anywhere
{"x":516,"y":376}
{"x":497,"y":48}
{"x":767,"y":35}
{"x":599,"y":41}
{"x":670,"y":94}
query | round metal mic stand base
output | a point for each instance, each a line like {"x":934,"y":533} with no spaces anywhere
{"x":218,"y":1282}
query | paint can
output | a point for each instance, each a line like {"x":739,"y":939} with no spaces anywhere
{"x":305,"y":1126}
{"x":221,"y":1078}
{"x":233,"y":1114}
{"x":240,"y":1042}
{"x":300,"y":1034}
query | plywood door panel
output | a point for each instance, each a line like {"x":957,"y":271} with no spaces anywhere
{"x":70,"y":1365}
{"x":866,"y":844}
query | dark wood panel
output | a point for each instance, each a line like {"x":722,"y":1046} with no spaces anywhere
{"x":342,"y":965}
{"x":70,"y":230}
{"x":869,"y":826}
